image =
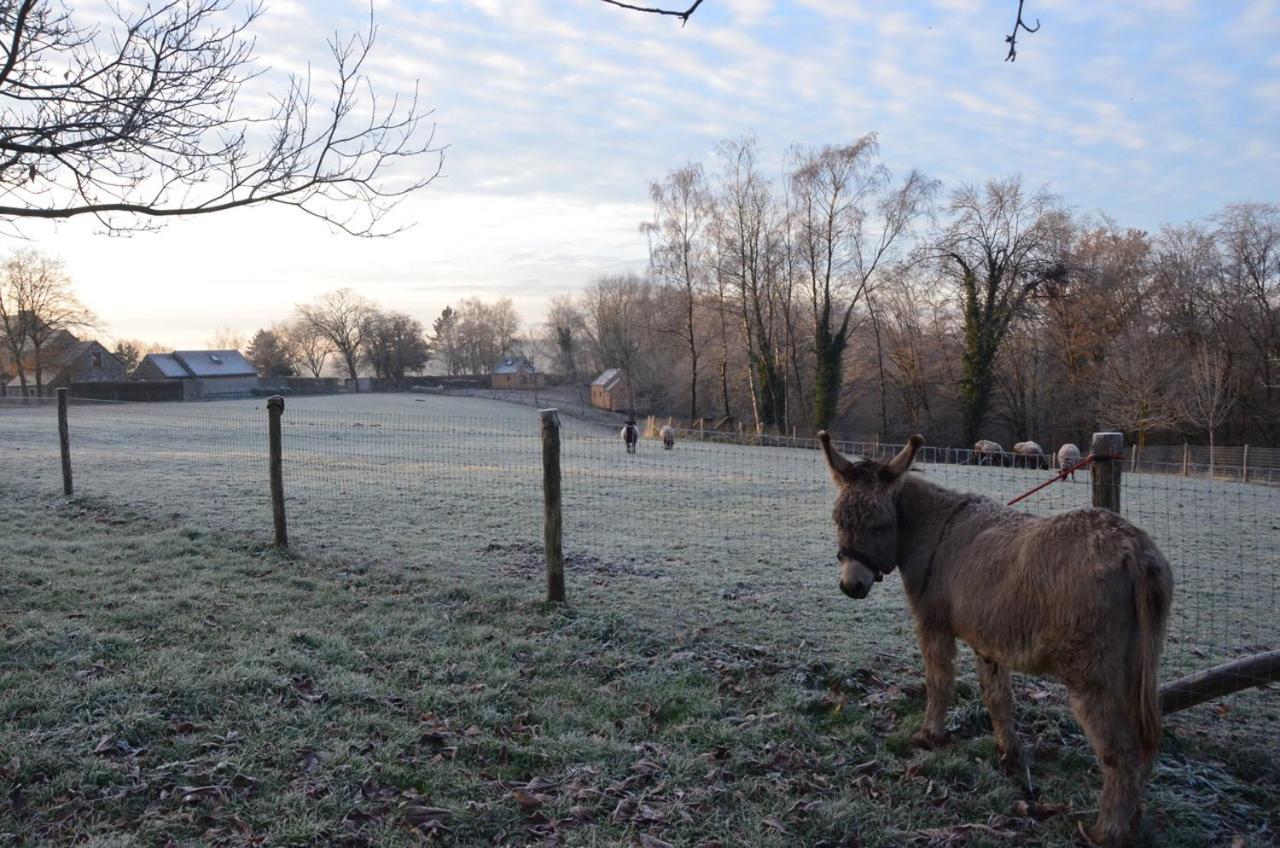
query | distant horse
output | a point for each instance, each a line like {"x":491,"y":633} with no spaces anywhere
{"x":668,"y":434}
{"x":1068,"y":455}
{"x":630,"y":435}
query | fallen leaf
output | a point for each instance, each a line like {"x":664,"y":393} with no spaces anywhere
{"x":528,"y":801}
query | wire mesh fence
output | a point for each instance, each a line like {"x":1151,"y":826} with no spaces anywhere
{"x":712,"y":529}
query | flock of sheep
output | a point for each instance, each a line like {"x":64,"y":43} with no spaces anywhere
{"x":1024,"y":455}
{"x":985,"y":451}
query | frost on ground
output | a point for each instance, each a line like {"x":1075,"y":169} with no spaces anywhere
{"x":163,"y":684}
{"x":707,"y":532}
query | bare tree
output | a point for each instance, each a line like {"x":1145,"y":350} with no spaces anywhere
{"x":616,"y":311}
{"x":1208,"y":393}
{"x":142,"y":118}
{"x":341,"y":318}
{"x":848,"y":222}
{"x":485,"y":332}
{"x":225,"y":338}
{"x":748,"y":231}
{"x":307,"y":346}
{"x":37,"y":309}
{"x":566,"y":330}
{"x":681,"y":257}
{"x":1000,"y":248}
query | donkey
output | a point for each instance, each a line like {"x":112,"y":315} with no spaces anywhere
{"x":630,"y":435}
{"x":1082,"y":595}
{"x":668,"y":434}
{"x":1068,"y":455}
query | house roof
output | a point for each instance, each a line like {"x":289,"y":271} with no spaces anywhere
{"x":56,"y":355}
{"x":513,"y":365}
{"x":166,"y":365}
{"x":608,"y":379}
{"x":215,"y":363}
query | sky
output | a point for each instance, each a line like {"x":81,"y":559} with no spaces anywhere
{"x":558,"y":114}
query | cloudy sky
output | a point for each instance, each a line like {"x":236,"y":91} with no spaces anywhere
{"x":558,"y":114}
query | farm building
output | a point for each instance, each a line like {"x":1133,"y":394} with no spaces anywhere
{"x":611,"y":391}
{"x":64,"y":359}
{"x":204,"y":373}
{"x":516,"y":372}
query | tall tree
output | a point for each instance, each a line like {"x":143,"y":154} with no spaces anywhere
{"x":567,"y":332}
{"x":999,"y":248}
{"x":681,"y":257}
{"x":616,"y":309}
{"x":748,"y":232}
{"x":153,"y":110}
{"x":341,"y":318}
{"x":848,"y":221}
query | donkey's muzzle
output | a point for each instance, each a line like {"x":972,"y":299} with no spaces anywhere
{"x":856,"y":579}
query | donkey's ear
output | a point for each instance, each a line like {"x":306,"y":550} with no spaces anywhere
{"x":841,"y":468}
{"x":901,"y":463}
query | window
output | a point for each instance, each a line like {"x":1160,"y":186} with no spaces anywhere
{"x":97,"y":359}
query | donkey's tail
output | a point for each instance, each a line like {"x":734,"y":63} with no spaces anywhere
{"x":1153,"y":594}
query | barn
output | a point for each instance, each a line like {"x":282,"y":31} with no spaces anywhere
{"x":516,"y":372}
{"x":611,"y":391}
{"x":66,"y":359}
{"x":204,"y":373}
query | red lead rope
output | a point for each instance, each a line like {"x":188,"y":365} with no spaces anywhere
{"x":1061,"y":475}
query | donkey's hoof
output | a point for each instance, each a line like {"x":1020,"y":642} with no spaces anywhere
{"x":929,"y":739}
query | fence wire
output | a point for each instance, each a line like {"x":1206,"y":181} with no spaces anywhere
{"x":711,"y":532}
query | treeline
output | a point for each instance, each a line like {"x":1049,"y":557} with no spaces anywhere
{"x":350,"y":334}
{"x":841,"y":296}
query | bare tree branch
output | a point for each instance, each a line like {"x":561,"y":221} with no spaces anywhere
{"x":139,"y":119}
{"x":1012,"y":38}
{"x":675,"y":13}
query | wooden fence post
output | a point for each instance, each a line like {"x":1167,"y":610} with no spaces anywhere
{"x":1108,"y":462}
{"x":1244,"y":466}
{"x":553,"y":520}
{"x":64,"y":442}
{"x":1185,"y":451}
{"x":275,"y":408}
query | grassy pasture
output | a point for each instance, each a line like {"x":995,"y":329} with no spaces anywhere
{"x":165,"y":676}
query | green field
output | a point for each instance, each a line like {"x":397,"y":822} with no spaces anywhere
{"x":165,"y":675}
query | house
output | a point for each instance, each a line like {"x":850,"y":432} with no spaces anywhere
{"x":611,"y":391}
{"x":204,"y":373}
{"x":65,"y":359}
{"x":516,"y":372}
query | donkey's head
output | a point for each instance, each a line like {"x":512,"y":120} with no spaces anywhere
{"x":865,"y":515}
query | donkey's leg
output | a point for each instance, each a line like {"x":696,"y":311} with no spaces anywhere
{"x":939,"y":650}
{"x":1109,"y":726}
{"x":997,"y":694}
